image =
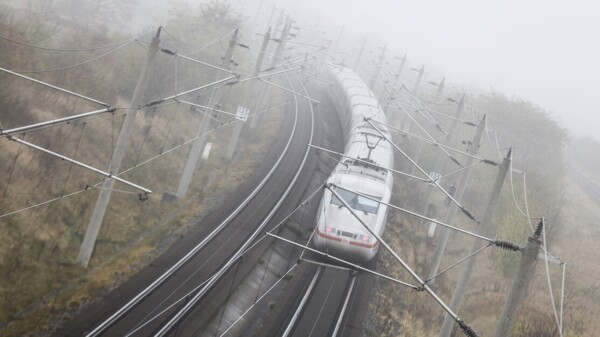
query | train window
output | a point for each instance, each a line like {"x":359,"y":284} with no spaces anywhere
{"x":367,"y":205}
{"x":346,"y":195}
{"x":356,"y":201}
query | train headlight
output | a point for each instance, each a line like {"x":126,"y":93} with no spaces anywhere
{"x":329,"y":229}
{"x":365,"y":238}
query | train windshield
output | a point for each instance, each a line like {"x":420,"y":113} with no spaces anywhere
{"x":356,"y":201}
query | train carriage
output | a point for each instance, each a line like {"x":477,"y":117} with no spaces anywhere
{"x":363,"y":172}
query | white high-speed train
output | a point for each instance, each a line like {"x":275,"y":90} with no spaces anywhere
{"x":338,"y":232}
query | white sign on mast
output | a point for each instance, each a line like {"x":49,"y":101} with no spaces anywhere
{"x":242,"y":113}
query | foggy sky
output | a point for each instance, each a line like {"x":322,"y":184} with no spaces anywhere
{"x":544,"y":51}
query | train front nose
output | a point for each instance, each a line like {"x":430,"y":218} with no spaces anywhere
{"x":349,"y":249}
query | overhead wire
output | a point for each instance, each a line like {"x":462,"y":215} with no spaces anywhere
{"x":218,"y":39}
{"x":37,"y":71}
{"x":235,"y":274}
{"x":459,"y":262}
{"x":456,"y":161}
{"x":72,"y":49}
{"x":129,"y":169}
{"x":146,"y":134}
{"x":74,"y":157}
{"x":436,"y":143}
{"x":112,"y":141}
{"x":547,"y":268}
{"x":461,"y":169}
{"x":433,"y":111}
{"x":557,"y":320}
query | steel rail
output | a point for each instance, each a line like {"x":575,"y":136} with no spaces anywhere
{"x":302,"y":303}
{"x":177,"y":317}
{"x":342,"y":313}
{"x":162,"y":278}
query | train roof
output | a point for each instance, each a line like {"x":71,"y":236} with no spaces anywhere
{"x":362,"y":100}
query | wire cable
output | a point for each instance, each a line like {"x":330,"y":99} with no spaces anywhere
{"x":148,"y":128}
{"x":237,"y":268}
{"x":218,"y":39}
{"x":557,"y":321}
{"x":459,"y":262}
{"x":72,"y":49}
{"x":36,"y":71}
{"x":62,"y":193}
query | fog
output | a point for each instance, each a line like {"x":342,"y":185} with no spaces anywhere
{"x":545,"y":51}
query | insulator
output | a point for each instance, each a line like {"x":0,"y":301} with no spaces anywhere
{"x":490,"y":162}
{"x":158,"y":101}
{"x":170,"y":52}
{"x":467,"y":330}
{"x":469,"y":214}
{"x":539,"y":228}
{"x":506,"y":245}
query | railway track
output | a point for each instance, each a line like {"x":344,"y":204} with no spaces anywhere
{"x":231,"y":267}
{"x":324,"y":305}
{"x":588,"y":186}
{"x":179,"y":284}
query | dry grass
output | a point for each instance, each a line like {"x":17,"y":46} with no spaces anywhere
{"x":47,"y":287}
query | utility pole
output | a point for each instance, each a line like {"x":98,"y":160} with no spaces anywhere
{"x":418,"y":81}
{"x":486,"y":229}
{"x":406,"y":120}
{"x":461,"y":187}
{"x":281,"y":43}
{"x":396,"y":79}
{"x":360,"y":52}
{"x":238,"y":127}
{"x":89,"y":240}
{"x":439,"y":162}
{"x":419,"y":150}
{"x":199,"y":142}
{"x":273,"y":8}
{"x":378,"y":68}
{"x":266,"y":92}
{"x":518,"y":290}
{"x":441,"y":86}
